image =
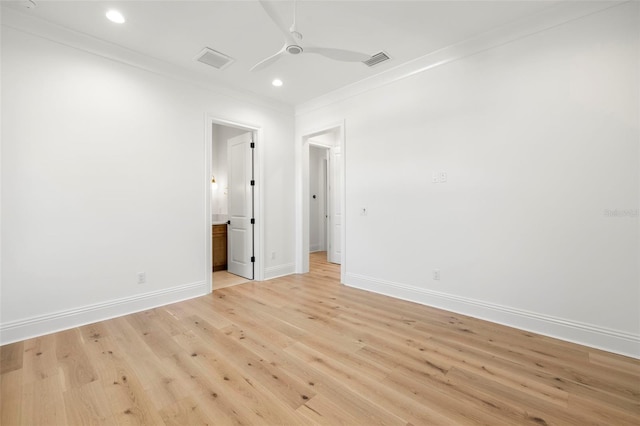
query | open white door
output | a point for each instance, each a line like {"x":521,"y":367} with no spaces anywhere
{"x":334,"y":252}
{"x":240,"y":254}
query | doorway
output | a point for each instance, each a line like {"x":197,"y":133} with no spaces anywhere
{"x":318,"y":203}
{"x":323,"y":196}
{"x":232,"y":204}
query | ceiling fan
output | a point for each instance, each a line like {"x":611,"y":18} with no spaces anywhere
{"x":293,"y":45}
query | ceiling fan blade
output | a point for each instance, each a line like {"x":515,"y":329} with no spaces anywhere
{"x":268,"y":7}
{"x":338,"y":54}
{"x":268,"y":61}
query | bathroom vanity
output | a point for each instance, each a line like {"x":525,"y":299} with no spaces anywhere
{"x":219,"y":245}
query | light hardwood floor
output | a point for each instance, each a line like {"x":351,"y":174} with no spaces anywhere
{"x":224,"y":279}
{"x":304,"y":349}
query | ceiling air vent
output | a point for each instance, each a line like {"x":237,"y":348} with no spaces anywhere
{"x":214,"y":59}
{"x":376,"y":59}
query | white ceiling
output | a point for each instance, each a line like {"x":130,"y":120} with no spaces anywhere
{"x":176,"y":31}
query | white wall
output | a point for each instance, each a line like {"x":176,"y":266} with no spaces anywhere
{"x":317,"y":206}
{"x":539,"y":137}
{"x":103,"y":176}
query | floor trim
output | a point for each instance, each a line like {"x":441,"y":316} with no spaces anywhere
{"x":572,"y":331}
{"x":279,"y":271}
{"x":18,"y":330}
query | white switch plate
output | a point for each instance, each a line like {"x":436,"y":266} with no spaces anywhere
{"x":435,"y":177}
{"x":443,"y":177}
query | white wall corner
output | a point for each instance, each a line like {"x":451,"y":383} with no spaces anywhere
{"x":616,"y":341}
{"x":22,"y":329}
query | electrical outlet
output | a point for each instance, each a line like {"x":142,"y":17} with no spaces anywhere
{"x":443,"y":177}
{"x":435,"y":177}
{"x":273,"y":255}
{"x":436,"y":274}
{"x":142,"y":277}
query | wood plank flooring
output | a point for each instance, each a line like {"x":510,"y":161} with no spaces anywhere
{"x":223,"y":279}
{"x":304,"y":350}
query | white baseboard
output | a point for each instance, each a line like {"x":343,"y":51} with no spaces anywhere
{"x":585,"y":334}
{"x":279,"y":271}
{"x":18,"y":330}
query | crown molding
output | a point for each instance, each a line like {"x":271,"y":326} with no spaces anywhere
{"x":84,"y":42}
{"x":550,"y":18}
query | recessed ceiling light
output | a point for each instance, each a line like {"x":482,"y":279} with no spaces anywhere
{"x":115,"y":16}
{"x":277,"y":82}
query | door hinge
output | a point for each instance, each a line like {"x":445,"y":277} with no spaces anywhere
{"x":253,"y":259}
{"x":253,"y":145}
{"x":253,"y":182}
{"x":253,"y":221}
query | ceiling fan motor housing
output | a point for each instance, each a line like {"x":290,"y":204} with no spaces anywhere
{"x":294,"y":49}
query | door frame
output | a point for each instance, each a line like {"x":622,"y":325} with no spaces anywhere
{"x":258,"y":201}
{"x":303,"y":203}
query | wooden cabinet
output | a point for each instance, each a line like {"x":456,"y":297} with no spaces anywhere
{"x":219,"y":247}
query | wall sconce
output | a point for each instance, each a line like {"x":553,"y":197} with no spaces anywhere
{"x":214,"y":184}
